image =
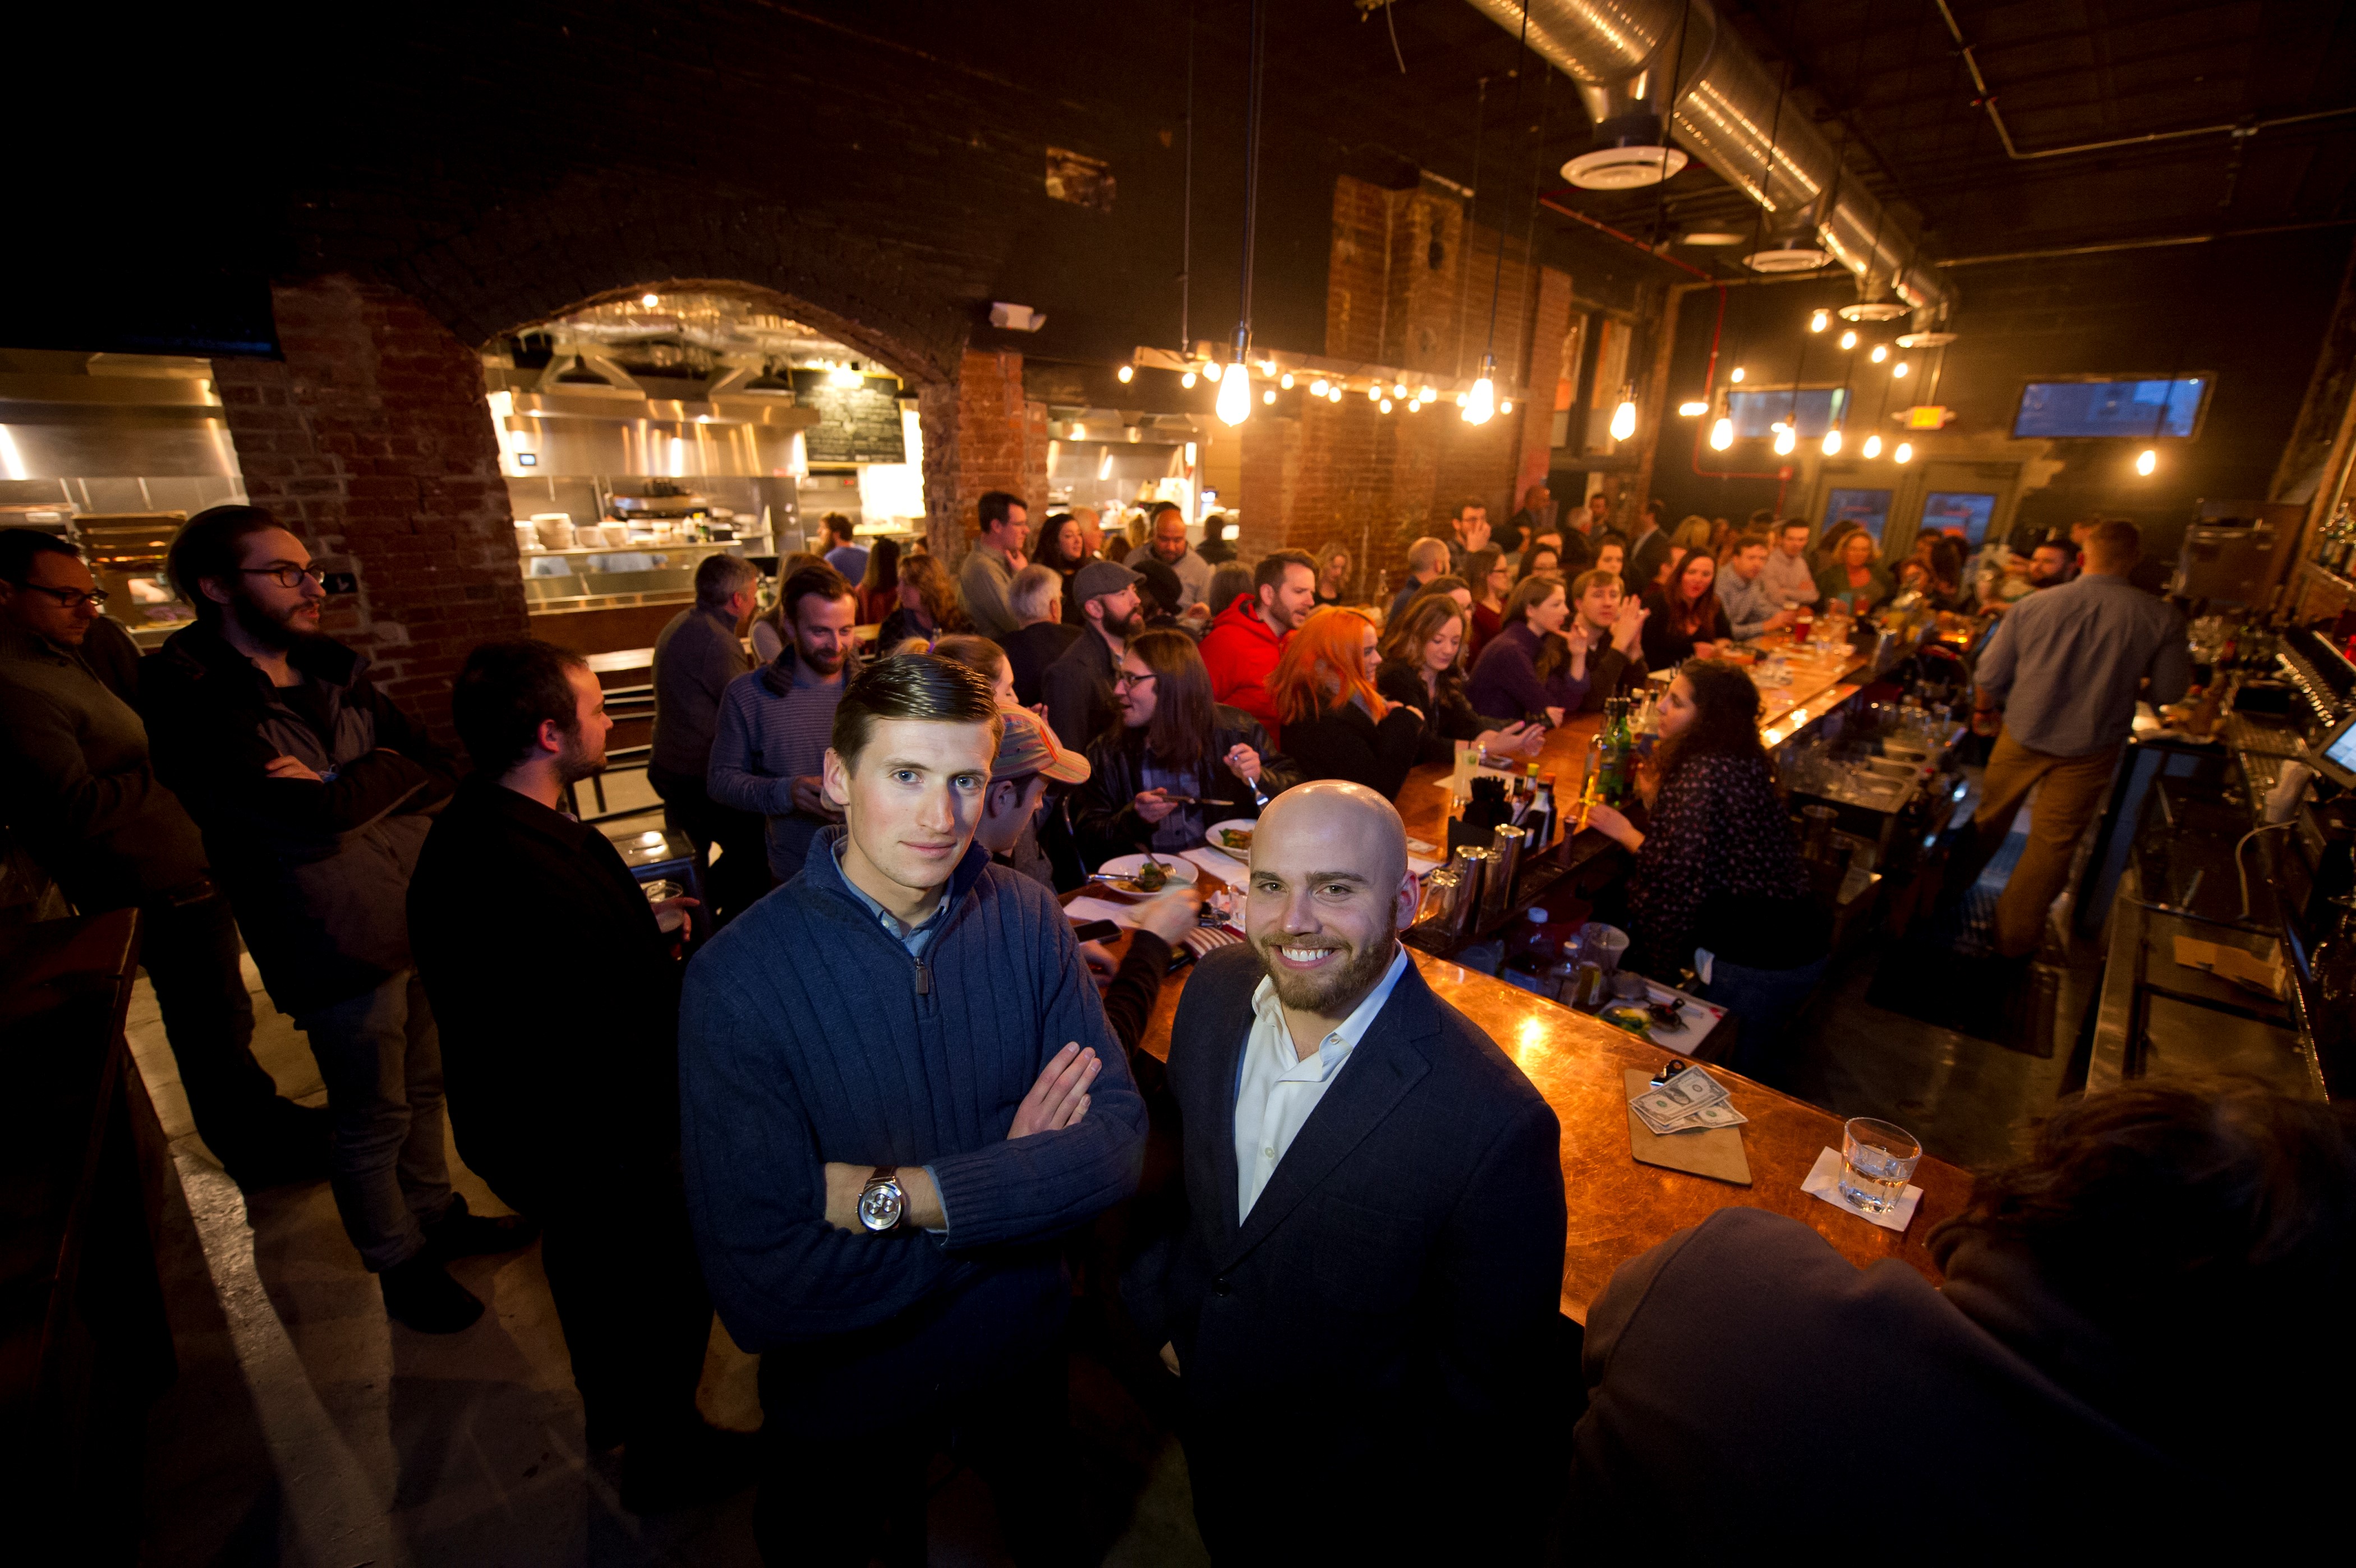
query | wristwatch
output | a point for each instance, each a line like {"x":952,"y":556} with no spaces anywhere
{"x":881,"y":1204}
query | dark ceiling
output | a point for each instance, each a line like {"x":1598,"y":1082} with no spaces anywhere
{"x":1886,"y":79}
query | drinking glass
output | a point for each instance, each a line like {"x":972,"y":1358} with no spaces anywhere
{"x":1876,"y":1157}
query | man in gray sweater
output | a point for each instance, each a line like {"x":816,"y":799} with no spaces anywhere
{"x":695,"y":657}
{"x":770,"y":752}
{"x":79,"y":789}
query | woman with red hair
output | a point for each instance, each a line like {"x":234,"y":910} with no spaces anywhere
{"x":1336,"y":726}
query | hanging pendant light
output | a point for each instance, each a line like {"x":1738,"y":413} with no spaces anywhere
{"x":1234,"y":403}
{"x":1833,"y":442}
{"x":1786,"y":439}
{"x":1693,"y":409}
{"x":1235,"y":394}
{"x":1904,"y":453}
{"x":2146,"y":461}
{"x":1721,"y":435}
{"x":1623,"y":418}
{"x":1481,"y":404}
{"x":1849,"y":340}
{"x":1126,"y":374}
{"x":1820,"y":320}
{"x":1872,"y":446}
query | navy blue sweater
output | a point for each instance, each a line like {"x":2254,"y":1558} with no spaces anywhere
{"x":809,"y":1034}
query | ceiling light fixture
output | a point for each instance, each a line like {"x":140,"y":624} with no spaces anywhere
{"x":1848,"y":338}
{"x":1735,"y":375}
{"x":1820,"y":320}
{"x":1187,"y":380}
{"x":1880,"y":352}
{"x":1126,"y":374}
{"x":1721,"y":433}
{"x":2146,"y":461}
{"x":1833,"y":442}
{"x":1784,"y":441}
{"x":1905,"y":453}
{"x":1623,"y":418}
{"x":1234,"y":405}
{"x":1692,"y":410}
{"x":1873,"y":446}
{"x":1318,"y":387}
{"x":1898,"y":370}
{"x":1213,"y":370}
{"x":649,"y":300}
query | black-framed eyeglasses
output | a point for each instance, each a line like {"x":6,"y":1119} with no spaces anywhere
{"x":72,"y":598}
{"x":288,"y":576}
{"x":1124,"y":681}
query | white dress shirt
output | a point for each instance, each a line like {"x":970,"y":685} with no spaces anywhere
{"x":1277,"y":1088}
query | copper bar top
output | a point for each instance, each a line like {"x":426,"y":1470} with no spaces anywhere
{"x":1618,"y":1207}
{"x":1821,"y":679}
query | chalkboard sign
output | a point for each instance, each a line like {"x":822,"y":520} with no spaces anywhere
{"x":855,"y":425}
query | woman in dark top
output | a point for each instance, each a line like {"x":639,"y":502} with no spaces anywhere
{"x":1061,"y":550}
{"x":1539,"y":561}
{"x":1336,"y":726}
{"x":1530,"y":670}
{"x":1716,"y":828}
{"x":1684,"y":621}
{"x":879,"y":590}
{"x":928,"y":604}
{"x":1493,"y":583}
{"x":1332,"y":571}
{"x":1423,"y":667}
{"x":1855,"y":578}
{"x":1170,"y":740}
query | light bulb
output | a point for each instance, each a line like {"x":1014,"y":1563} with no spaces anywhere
{"x":1187,"y":380}
{"x":649,"y":300}
{"x":1079,"y":430}
{"x":1415,"y":405}
{"x":1873,"y":445}
{"x":1506,"y":406}
{"x":1268,"y":396}
{"x":1898,"y":371}
{"x":1213,"y":370}
{"x":1849,"y":340}
{"x":2147,"y":462}
{"x":1904,"y":453}
{"x":1784,"y":442}
{"x":1373,"y":394}
{"x":843,"y":375}
{"x":1285,"y":380}
{"x":1234,"y":405}
{"x":1462,"y":398}
{"x":1426,"y":395}
{"x":1721,"y":435}
{"x":1832,"y":442}
{"x":1623,"y":420}
{"x":1385,"y":406}
{"x":1268,"y":367}
{"x":1736,"y":375}
{"x":1880,"y":352}
{"x":1318,"y":387}
{"x":1126,"y":374}
{"x":1692,"y":410}
{"x":1334,"y":394}
{"x":1398,"y":389}
{"x":1781,"y":426}
{"x":1481,"y":406}
{"x":1820,"y":320}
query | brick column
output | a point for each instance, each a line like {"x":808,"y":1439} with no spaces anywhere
{"x":372,"y":439}
{"x":980,"y":434}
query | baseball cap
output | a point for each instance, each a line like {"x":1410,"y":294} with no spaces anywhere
{"x":1100,"y":577}
{"x":1028,"y":745}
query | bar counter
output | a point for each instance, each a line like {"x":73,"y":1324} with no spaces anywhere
{"x":1619,"y":1208}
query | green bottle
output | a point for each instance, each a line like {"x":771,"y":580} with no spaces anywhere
{"x":1619,"y":754}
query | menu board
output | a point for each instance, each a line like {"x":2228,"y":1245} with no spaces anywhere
{"x":855,"y":425}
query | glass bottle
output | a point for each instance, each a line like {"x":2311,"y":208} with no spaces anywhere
{"x":1619,"y":754}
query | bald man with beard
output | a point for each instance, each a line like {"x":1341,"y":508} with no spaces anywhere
{"x":1362,"y":1305}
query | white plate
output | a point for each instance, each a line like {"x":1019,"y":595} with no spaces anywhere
{"x":1122,"y":866}
{"x":1211,"y":839}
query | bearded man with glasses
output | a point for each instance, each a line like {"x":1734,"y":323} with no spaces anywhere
{"x":315,"y":793}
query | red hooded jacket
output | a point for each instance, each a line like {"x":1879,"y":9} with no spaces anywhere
{"x":1240,"y":653}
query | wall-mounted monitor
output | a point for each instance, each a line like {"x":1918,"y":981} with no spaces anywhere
{"x":2132,"y":408}
{"x":1813,"y":409}
{"x":1870,"y":510}
{"x":1971,"y":510}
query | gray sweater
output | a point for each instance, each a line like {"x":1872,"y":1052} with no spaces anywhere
{"x":773,"y":728}
{"x":695,"y":657}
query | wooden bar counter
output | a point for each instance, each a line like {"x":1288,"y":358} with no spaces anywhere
{"x":1619,"y":1208}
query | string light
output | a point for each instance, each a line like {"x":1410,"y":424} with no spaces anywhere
{"x":1334,"y":394}
{"x":1398,"y":389}
{"x":1784,"y":442}
{"x":1880,"y":352}
{"x":1506,"y":406}
{"x":1213,"y":370}
{"x":1268,"y":396}
{"x":649,"y":300}
{"x":1284,"y":380}
{"x":1849,"y":340}
{"x":1415,"y":405}
{"x":1736,"y":375}
{"x":1692,"y":410}
{"x":1126,"y":374}
{"x":1905,"y":453}
{"x":1462,"y":398}
{"x":2147,"y":462}
{"x":1833,"y":442}
{"x":1898,"y":370}
{"x":1427,"y":396}
{"x":1187,"y":380}
{"x":1873,"y":445}
{"x":1373,"y":394}
{"x":1820,"y":320}
{"x":1623,"y":419}
{"x":1385,"y":406}
{"x":1319,"y":387}
{"x":1481,"y":406}
{"x":1235,"y":394}
{"x":1721,"y":435}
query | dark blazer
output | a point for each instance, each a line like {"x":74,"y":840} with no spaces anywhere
{"x":1343,"y":742}
{"x":1029,"y":651}
{"x":1375,"y":1338}
{"x":557,"y":999}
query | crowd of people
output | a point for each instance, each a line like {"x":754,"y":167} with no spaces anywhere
{"x":890,"y":1098}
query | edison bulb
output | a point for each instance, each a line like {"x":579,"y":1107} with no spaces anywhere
{"x":1462,"y":398}
{"x":649,"y":300}
{"x":1692,"y":410}
{"x":1832,"y":443}
{"x":1784,"y":441}
{"x":1506,"y":406}
{"x":2146,"y":461}
{"x":1235,"y":395}
{"x":1736,"y":375}
{"x":1623,"y":420}
{"x":1898,"y":371}
{"x":1415,"y":405}
{"x":1385,"y":406}
{"x":1880,"y":352}
{"x":1267,"y":397}
{"x":1849,"y":340}
{"x":1126,"y":374}
{"x":1285,"y":380}
{"x":1820,"y":320}
{"x":1187,"y":380}
{"x":1873,"y":445}
{"x":1213,"y":370}
{"x":1904,"y":453}
{"x":1373,"y":394}
{"x":1318,"y":387}
{"x":1334,"y":394}
{"x":1398,"y":389}
{"x":1721,"y":433}
{"x":1426,"y":395}
{"x":1481,"y":406}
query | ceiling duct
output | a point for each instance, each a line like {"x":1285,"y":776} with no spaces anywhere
{"x":1618,"y":52}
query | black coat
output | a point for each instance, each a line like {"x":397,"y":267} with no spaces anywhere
{"x":1366,"y":1359}
{"x":1104,"y":815}
{"x":1029,"y":651}
{"x":1448,"y":714}
{"x":1345,"y":742}
{"x":557,"y":998}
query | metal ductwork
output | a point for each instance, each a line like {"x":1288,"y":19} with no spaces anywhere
{"x":1619,"y":53}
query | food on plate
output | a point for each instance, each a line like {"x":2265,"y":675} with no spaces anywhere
{"x":1236,"y":839}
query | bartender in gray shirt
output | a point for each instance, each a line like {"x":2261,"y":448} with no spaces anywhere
{"x":2064,"y":670}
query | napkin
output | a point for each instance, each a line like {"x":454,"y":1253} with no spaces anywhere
{"x":1086,"y":909}
{"x":1218,"y":862}
{"x":1824,"y":1181}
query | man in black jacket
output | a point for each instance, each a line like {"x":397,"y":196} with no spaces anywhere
{"x":1363,"y":1304}
{"x":78,"y":788}
{"x":561,"y":1040}
{"x":313,"y":792}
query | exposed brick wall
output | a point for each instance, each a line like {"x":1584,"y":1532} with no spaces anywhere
{"x":980,"y":434}
{"x":371,"y":438}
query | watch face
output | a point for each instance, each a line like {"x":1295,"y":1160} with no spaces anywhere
{"x":879,"y":1206}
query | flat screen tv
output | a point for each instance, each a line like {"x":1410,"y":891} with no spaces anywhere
{"x":2133,"y":409}
{"x":1870,"y":510}
{"x":1813,"y":409}
{"x":1970,"y":511}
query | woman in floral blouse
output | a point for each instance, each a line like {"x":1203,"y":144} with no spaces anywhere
{"x":1715,"y":831}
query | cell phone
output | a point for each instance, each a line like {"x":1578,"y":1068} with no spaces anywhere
{"x":1096,"y":931}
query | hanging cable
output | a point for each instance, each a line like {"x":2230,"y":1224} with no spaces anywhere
{"x":1471,"y":207}
{"x":1186,"y":223}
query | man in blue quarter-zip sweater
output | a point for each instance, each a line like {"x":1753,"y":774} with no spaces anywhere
{"x":898,"y":1091}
